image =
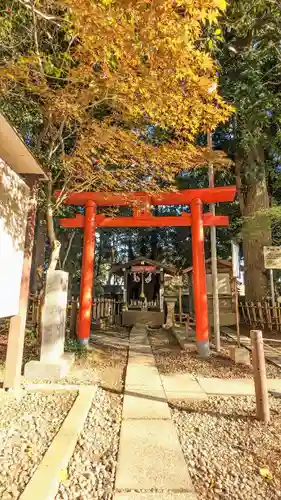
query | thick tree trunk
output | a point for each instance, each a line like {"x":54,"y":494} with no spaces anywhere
{"x":38,"y":253}
{"x":256,"y":232}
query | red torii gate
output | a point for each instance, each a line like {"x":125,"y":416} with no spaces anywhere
{"x":142,"y":217}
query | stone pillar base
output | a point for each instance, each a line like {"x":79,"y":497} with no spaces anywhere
{"x":240,"y":355}
{"x":203,"y":348}
{"x":42,"y":370}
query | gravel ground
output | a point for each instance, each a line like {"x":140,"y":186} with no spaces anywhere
{"x":27,"y":428}
{"x":173,"y":359}
{"x":226,"y":448}
{"x":91,"y":472}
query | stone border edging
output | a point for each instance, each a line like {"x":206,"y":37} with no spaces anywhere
{"x":45,"y":481}
{"x":182,"y":338}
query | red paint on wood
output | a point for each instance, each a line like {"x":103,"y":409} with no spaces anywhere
{"x":77,"y":221}
{"x":199,"y":272}
{"x":151,"y":221}
{"x":87,"y":272}
{"x":184,"y":197}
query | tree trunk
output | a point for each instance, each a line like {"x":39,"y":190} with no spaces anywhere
{"x":55,"y":244}
{"x":38,"y":253}
{"x":256,"y":232}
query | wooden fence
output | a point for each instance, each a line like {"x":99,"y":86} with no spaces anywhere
{"x":261,"y":314}
{"x":103,"y":309}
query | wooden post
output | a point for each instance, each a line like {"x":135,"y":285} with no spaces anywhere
{"x":125,"y":291}
{"x":113,"y":306}
{"x":237,"y":312}
{"x":180,"y":304}
{"x":261,"y":314}
{"x":248,"y":313}
{"x":14,"y":355}
{"x":279,"y":316}
{"x":260,"y":376}
{"x":161,"y":290}
{"x":214,"y":261}
{"x":243,"y":313}
{"x":272,"y":287}
{"x":268,"y":315}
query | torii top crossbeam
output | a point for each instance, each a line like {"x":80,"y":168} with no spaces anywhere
{"x":184,"y":197}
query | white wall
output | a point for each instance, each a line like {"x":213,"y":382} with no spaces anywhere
{"x":13,"y":213}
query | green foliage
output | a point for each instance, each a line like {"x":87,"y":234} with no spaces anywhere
{"x":249,"y":58}
{"x":72,"y":345}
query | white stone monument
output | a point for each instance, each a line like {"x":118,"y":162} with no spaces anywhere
{"x":53,"y":364}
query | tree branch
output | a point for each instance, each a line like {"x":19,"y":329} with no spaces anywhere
{"x":47,"y":17}
{"x":72,"y":236}
{"x":35,"y":34}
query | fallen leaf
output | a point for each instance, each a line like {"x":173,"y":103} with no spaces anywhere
{"x":266,"y":474}
{"x":212,"y":483}
{"x":63,"y":475}
{"x":29,"y":450}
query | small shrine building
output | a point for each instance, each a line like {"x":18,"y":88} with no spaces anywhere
{"x":144,"y":289}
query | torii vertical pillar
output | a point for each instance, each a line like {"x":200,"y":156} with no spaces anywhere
{"x":87,"y":273}
{"x":199,"y":279}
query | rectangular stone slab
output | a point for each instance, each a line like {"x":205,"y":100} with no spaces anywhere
{"x":228,"y":387}
{"x":180,"y":386}
{"x":150,"y":457}
{"x":143,"y":359}
{"x":139,"y":404}
{"x":143,"y":376}
{"x":274,"y":384}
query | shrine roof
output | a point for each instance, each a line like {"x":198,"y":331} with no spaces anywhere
{"x":14,"y":152}
{"x":139,"y":261}
{"x":221,"y":264}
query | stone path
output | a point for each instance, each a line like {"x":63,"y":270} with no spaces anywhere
{"x":181,"y":386}
{"x":151,"y":464}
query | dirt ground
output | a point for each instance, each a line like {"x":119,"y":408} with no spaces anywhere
{"x":103,"y":363}
{"x":170,"y":358}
